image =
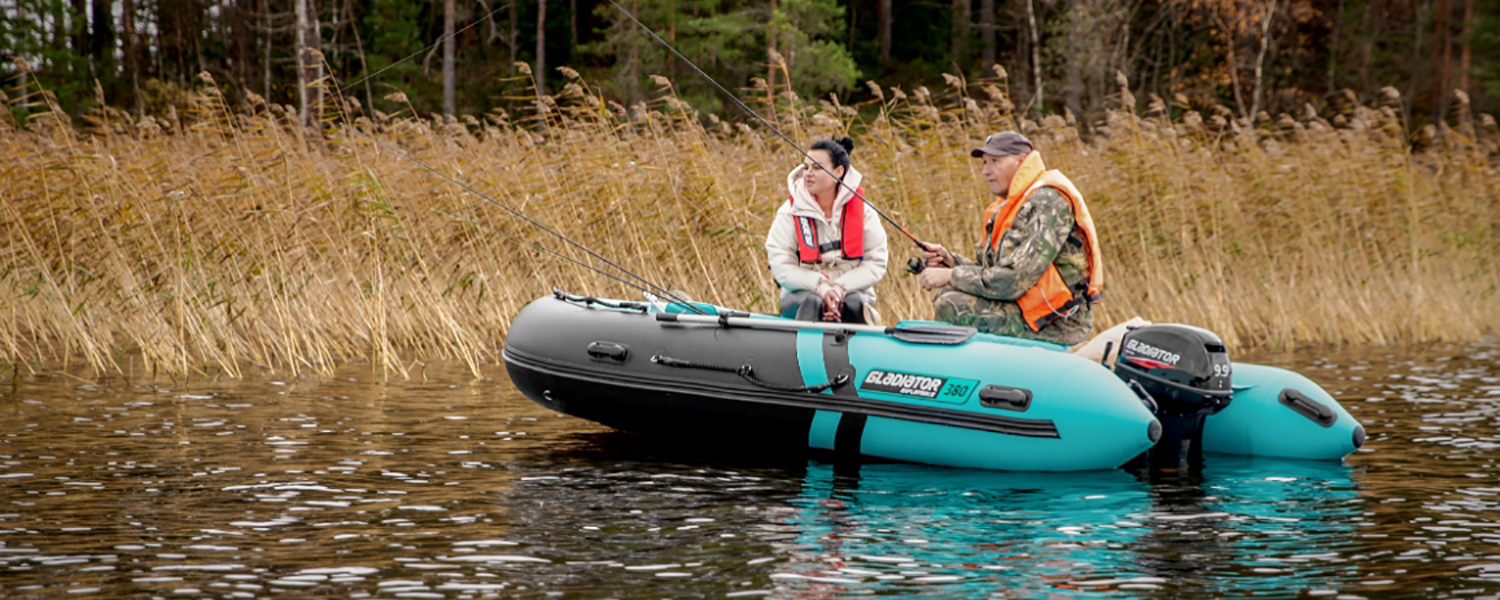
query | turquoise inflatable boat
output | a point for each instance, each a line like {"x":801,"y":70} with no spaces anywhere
{"x":919,"y":392}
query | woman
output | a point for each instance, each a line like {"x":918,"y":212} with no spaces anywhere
{"x":827,"y":249}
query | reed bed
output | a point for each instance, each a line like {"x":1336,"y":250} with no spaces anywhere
{"x":229,"y":236}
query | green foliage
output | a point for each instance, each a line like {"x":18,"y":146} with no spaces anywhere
{"x":728,"y":39}
{"x":1486,"y":45}
{"x":32,"y":37}
{"x":806,"y":32}
{"x":1162,"y":47}
{"x":713,"y":33}
{"x":395,"y":33}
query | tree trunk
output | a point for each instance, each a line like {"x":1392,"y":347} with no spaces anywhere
{"x":300,"y":48}
{"x":1418,"y":28}
{"x":449,"y":102}
{"x":1077,"y":43}
{"x":364,"y":64}
{"x":1260,"y":59}
{"x":883,"y":21}
{"x":987,"y":34}
{"x":59,"y":33}
{"x":103,"y":43}
{"x":1444,"y":39}
{"x":265,"y":24}
{"x":513,"y":42}
{"x":1465,"y":60}
{"x":541,"y":48}
{"x":309,"y":67}
{"x":1036,"y":52}
{"x":771,"y":36}
{"x":853,"y":26}
{"x":315,"y":41}
{"x":960,"y":48}
{"x":132,"y":65}
{"x":1234,"y":63}
{"x":179,"y":25}
{"x":78,"y":19}
{"x":1333,"y":54}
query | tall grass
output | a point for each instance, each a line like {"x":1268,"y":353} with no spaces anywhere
{"x":228,"y":236}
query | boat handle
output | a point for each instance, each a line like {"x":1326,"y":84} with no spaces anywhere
{"x":1312,"y":409}
{"x":609,"y":352}
{"x":1008,"y":398}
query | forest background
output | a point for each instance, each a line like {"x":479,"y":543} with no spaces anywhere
{"x":1062,"y":55}
{"x":198,"y":186}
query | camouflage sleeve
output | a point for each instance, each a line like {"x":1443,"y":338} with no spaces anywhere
{"x":1033,"y":242}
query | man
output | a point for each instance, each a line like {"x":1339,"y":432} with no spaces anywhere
{"x":1037,"y":269}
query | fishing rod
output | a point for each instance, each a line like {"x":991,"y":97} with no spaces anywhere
{"x":675,"y":299}
{"x":520,"y":215}
{"x":773,"y":129}
{"x":544,"y":249}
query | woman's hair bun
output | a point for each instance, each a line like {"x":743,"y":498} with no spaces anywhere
{"x":847,"y":143}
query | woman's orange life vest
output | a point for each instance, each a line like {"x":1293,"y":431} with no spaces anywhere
{"x":852,"y":236}
{"x":1049,"y":299}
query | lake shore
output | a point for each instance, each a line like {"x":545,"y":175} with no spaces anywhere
{"x":229,"y":236}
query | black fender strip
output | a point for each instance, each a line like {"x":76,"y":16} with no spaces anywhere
{"x":645,"y":383}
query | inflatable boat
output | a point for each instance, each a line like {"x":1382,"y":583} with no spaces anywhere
{"x":920,"y":391}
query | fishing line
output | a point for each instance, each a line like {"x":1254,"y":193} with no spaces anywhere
{"x":773,"y":129}
{"x":430,"y":47}
{"x":545,"y":249}
{"x":518,"y":214}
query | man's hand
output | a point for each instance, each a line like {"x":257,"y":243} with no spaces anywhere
{"x":937,"y":256}
{"x":935,"y":277}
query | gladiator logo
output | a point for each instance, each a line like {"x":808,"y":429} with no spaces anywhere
{"x":905,"y":384}
{"x":1152,"y":352}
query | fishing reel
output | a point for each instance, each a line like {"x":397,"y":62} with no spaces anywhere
{"x":916,"y":265}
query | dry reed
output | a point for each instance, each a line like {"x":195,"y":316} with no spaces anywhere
{"x":229,"y":236}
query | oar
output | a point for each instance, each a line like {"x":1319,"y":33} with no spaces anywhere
{"x":946,"y":335}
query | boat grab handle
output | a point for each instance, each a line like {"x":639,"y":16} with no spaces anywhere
{"x":1307,"y":407}
{"x":747,"y":373}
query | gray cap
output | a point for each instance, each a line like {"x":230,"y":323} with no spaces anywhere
{"x":1004,"y":143}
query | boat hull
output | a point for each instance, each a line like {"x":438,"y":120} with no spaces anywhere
{"x":1280,"y":413}
{"x":902,"y":401}
{"x":989,"y":402}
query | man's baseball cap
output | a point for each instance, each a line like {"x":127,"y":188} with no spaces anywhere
{"x":1004,"y":143}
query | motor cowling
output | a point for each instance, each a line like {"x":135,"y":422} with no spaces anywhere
{"x":1185,"y":369}
{"x":1183,"y":374}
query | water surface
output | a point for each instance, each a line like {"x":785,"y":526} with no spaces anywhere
{"x":452,"y":487}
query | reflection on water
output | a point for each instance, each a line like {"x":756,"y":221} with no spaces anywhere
{"x":459,"y":488}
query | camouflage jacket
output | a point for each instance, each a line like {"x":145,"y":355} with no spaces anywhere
{"x":1042,"y":234}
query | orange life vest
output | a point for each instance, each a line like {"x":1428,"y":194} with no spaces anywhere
{"x":1049,"y":299}
{"x":852,"y":237}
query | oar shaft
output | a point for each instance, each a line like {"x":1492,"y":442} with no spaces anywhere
{"x":947,"y":335}
{"x":777,"y":324}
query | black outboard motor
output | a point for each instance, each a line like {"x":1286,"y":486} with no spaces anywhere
{"x":1184,"y":371}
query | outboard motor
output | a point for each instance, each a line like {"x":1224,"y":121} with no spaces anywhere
{"x":1184,"y":372}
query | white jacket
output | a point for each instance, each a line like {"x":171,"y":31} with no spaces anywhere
{"x":781,"y":242}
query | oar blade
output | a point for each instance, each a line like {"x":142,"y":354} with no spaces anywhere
{"x":942,"y":335}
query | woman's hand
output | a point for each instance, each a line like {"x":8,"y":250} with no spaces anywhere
{"x":937,"y":256}
{"x":833,"y":301}
{"x":933,"y":278}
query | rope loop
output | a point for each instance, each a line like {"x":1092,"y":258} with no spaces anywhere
{"x":590,"y":301}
